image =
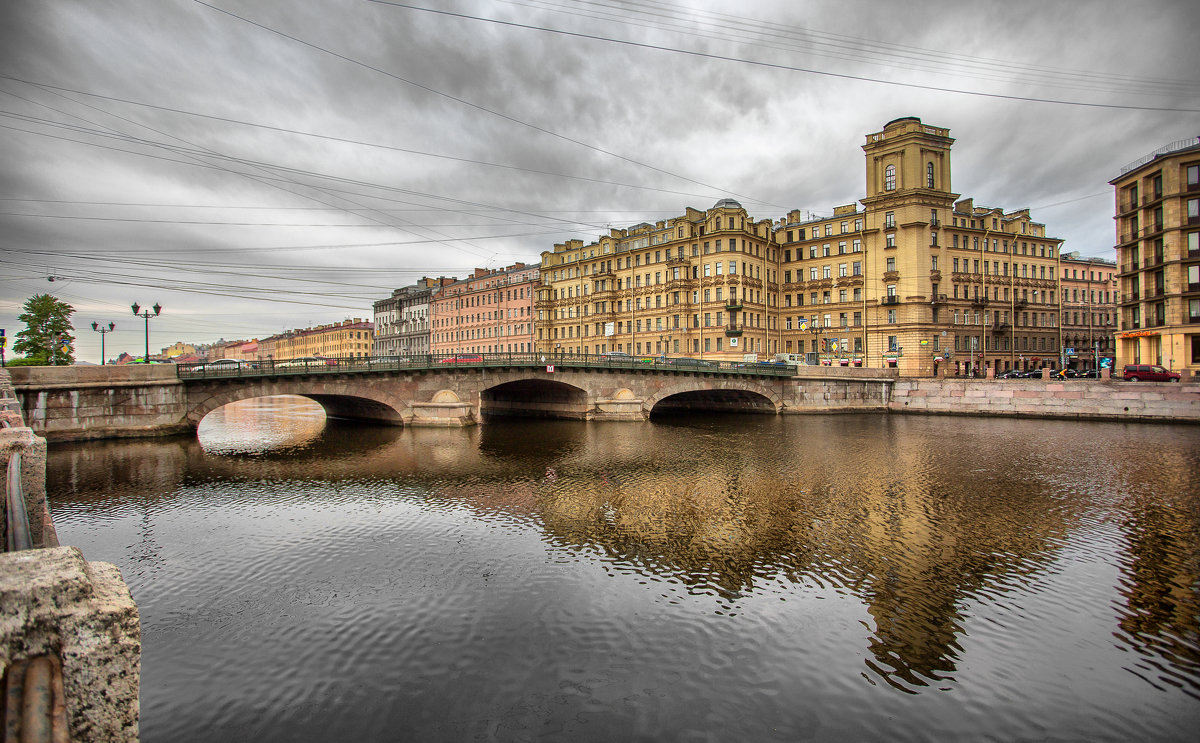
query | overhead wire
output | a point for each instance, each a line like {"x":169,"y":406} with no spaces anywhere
{"x":789,"y":37}
{"x":477,"y":106}
{"x":781,"y":66}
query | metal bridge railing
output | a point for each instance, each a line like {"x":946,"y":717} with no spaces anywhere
{"x":227,"y":368}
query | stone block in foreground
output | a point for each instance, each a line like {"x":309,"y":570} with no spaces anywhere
{"x":54,"y":602}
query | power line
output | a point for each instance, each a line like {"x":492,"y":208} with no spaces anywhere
{"x":477,"y":106}
{"x":344,"y":140}
{"x":778,"y":66}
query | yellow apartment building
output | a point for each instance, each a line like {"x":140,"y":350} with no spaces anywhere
{"x":347,"y":339}
{"x":1158,"y":255}
{"x":916,"y":278}
{"x":703,"y":284}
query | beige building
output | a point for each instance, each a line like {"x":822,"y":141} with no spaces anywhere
{"x":916,"y":279}
{"x":919,"y":279}
{"x":1089,"y":288}
{"x":702,"y":284}
{"x":347,"y":339}
{"x":1158,"y":253}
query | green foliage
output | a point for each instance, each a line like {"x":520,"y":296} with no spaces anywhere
{"x":46,"y":318}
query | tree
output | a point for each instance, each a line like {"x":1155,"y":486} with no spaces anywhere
{"x":47,"y":319}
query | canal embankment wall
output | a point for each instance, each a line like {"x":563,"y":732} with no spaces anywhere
{"x":70,"y":632}
{"x":97,"y":402}
{"x":1078,"y":399}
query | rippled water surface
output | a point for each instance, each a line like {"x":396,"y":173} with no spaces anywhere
{"x":716,"y":578}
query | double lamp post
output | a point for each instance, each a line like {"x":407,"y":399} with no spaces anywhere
{"x":146,"y":315}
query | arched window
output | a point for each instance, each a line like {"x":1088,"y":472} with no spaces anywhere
{"x":889,"y":178}
{"x":929,"y":175}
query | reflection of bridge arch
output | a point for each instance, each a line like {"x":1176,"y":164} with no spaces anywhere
{"x":534,"y":397}
{"x":709,"y":395}
{"x":339,"y":398}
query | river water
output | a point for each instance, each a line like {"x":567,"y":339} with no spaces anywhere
{"x":708,"y":578}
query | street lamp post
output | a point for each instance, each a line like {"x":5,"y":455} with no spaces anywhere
{"x":102,"y":331}
{"x":146,"y":316}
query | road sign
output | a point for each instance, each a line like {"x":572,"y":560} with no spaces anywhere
{"x":1069,"y":351}
{"x":549,"y":368}
{"x":803,"y":324}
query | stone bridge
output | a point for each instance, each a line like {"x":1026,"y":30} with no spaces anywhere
{"x":65,"y":403}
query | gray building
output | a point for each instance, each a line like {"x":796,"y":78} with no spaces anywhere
{"x":402,"y":320}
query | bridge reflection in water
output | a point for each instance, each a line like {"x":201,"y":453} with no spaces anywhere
{"x":757,"y":573}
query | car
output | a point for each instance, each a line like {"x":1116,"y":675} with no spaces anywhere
{"x":463,"y":358}
{"x":1033,"y":374}
{"x":1065,"y":374}
{"x":387,"y":361}
{"x":1011,"y":374}
{"x":1148,"y":373}
{"x":615,"y":356}
{"x":226,"y":365}
{"x":1090,"y":374}
{"x":689,"y":362}
{"x":306,"y":362}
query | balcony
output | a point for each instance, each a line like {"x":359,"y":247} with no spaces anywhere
{"x":1000,"y":327}
{"x":938,"y":299}
{"x":677,"y":261}
{"x":733,"y":305}
{"x":978,"y":301}
{"x":893,"y":299}
{"x":734,"y":329}
{"x":1020,"y":304}
{"x":1153,"y":260}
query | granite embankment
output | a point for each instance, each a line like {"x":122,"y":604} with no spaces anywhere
{"x":1083,"y":399}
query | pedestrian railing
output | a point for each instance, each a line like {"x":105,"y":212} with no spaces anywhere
{"x":448,"y":361}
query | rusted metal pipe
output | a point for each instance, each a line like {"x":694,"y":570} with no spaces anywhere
{"x":15,"y":515}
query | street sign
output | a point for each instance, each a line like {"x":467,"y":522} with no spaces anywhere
{"x":1069,"y":351}
{"x":549,"y":368}
{"x":803,"y":324}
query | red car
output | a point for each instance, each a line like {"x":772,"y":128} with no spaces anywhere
{"x":463,"y":358}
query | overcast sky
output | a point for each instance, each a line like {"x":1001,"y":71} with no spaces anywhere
{"x":260,"y":165}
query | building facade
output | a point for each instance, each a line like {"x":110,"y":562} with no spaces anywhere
{"x":489,"y":312}
{"x":917,"y":278}
{"x":1158,"y":254}
{"x":347,"y":339}
{"x":402,"y":321}
{"x":702,"y":284}
{"x":1090,"y":292}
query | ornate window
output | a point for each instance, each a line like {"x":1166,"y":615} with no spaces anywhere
{"x":889,"y":178}
{"x":929,"y":175}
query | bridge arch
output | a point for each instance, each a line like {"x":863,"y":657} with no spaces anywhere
{"x":535,"y":397}
{"x":339,"y":399}
{"x":713,"y":395}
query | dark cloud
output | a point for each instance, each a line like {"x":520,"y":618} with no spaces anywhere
{"x":778,"y":139}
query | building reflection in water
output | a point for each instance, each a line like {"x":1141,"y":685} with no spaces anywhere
{"x":917,"y":525}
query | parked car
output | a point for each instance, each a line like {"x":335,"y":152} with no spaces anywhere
{"x":226,"y":365}
{"x":306,"y":362}
{"x":463,"y":358}
{"x":1090,"y":374}
{"x":1011,"y":374}
{"x":1149,"y":373}
{"x":388,"y":361}
{"x":689,"y":362}
{"x":1033,"y":374}
{"x":1065,"y":374}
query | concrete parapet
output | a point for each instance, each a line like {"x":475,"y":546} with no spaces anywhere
{"x":53,"y":602}
{"x":1076,"y":399}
